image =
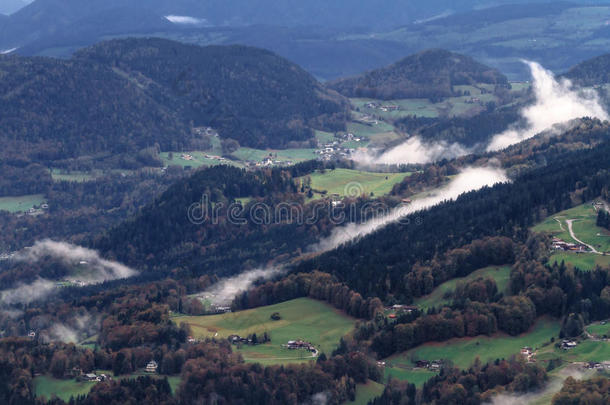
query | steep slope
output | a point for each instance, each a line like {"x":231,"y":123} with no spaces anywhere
{"x":429,"y":74}
{"x":591,"y":72}
{"x":248,"y":94}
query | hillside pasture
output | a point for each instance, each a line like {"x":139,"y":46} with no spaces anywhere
{"x":412,"y":375}
{"x":440,"y":295}
{"x":307,"y":319}
{"x":584,"y":227}
{"x":583,"y":261}
{"x":46,"y":386}
{"x":463,"y":351}
{"x":21,"y":203}
{"x":339,"y":181}
{"x":366,"y":392}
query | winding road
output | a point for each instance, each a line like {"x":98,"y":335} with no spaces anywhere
{"x":569,"y":222}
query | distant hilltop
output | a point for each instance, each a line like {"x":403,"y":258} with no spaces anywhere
{"x":428,"y":74}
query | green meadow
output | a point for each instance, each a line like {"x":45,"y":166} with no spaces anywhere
{"x":366,"y":392}
{"x":440,"y":295}
{"x":344,"y":181}
{"x":72,"y":176}
{"x":583,"y":261}
{"x":48,"y":386}
{"x":21,"y":203}
{"x":307,"y":319}
{"x":463,"y":351}
{"x":585,"y":217}
{"x":64,"y":389}
{"x":413,"y":376}
{"x":587,"y":350}
{"x":599,"y":330}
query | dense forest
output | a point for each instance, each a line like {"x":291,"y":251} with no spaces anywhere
{"x":591,"y":72}
{"x":429,"y":74}
{"x":468,"y":131}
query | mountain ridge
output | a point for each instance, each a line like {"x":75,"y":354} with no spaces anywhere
{"x":427,"y":74}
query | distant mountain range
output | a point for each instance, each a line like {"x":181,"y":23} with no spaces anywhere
{"x":428,"y":74}
{"x":329,"y":39}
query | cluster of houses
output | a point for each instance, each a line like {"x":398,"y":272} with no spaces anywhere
{"x":433,"y":365}
{"x":219,"y":309}
{"x":209,"y":131}
{"x":398,"y":308}
{"x":562,"y":245}
{"x":382,"y":107}
{"x":299,"y":344}
{"x":592,"y":365}
{"x":236,"y":339}
{"x":528,"y":354}
{"x":37,"y":211}
{"x":6,"y":256}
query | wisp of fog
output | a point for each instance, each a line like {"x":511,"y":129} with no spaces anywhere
{"x":93,"y":269}
{"x":223,"y":292}
{"x":470,"y":179}
{"x":557,"y":103}
{"x":413,"y":151}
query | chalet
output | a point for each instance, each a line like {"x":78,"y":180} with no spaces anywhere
{"x":422,"y":364}
{"x":152,"y":367}
{"x":32,"y":334}
{"x":45,"y":206}
{"x":568,"y":344}
{"x":191,"y":339}
{"x":405,"y":308}
{"x":89,"y":377}
{"x":435,"y":365}
{"x":299,"y":344}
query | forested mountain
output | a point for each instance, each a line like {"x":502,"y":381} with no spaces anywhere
{"x":380,"y":264}
{"x":55,"y":109}
{"x":247,"y":94}
{"x":128,"y":95}
{"x":591,"y":72}
{"x":429,"y":74}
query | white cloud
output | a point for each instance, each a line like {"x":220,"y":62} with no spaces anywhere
{"x":186,"y":20}
{"x":557,"y":103}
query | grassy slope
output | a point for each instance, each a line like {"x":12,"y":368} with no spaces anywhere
{"x":500,"y":274}
{"x":366,"y":392}
{"x":21,"y":203}
{"x":303,"y":318}
{"x":583,"y":261}
{"x":462,"y":352}
{"x":585,"y":229}
{"x":597,"y":329}
{"x":413,"y":376}
{"x":64,"y":389}
{"x":339,"y":180}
